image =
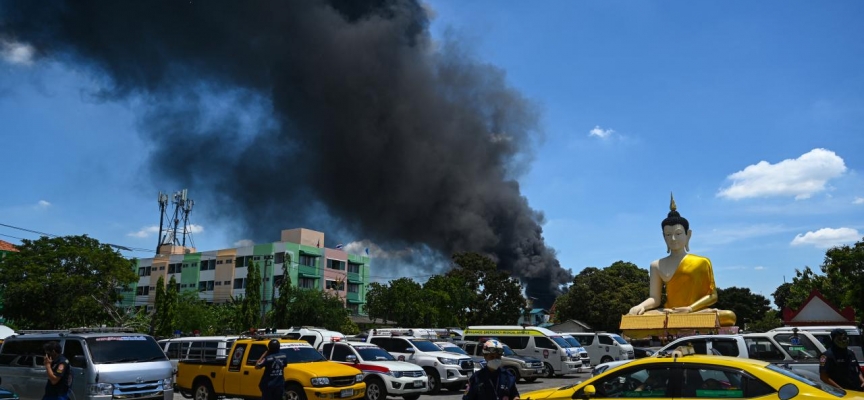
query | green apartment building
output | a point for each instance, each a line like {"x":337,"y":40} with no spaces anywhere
{"x":218,"y":275}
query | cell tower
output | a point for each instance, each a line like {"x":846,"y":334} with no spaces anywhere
{"x":173,"y":233}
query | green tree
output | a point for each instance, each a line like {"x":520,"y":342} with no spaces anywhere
{"x":449,"y":298}
{"x":599,"y":297}
{"x":317,"y":308}
{"x":844,"y":268}
{"x":251,"y":309}
{"x":156,"y":325}
{"x":498,"y":297}
{"x":61,"y":282}
{"x":748,"y":306}
{"x":278,"y":315}
{"x":379,"y":302}
{"x":765,"y":323}
{"x":804,"y":282}
{"x":781,"y":295}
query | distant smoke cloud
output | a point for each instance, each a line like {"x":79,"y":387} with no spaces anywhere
{"x":244,"y":243}
{"x":802,"y":177}
{"x":16,"y":53}
{"x":340,"y":115}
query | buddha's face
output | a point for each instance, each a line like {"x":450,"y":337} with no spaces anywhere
{"x":676,"y":237}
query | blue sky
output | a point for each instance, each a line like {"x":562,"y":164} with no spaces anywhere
{"x":751,"y":113}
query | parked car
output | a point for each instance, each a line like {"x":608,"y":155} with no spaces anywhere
{"x":447,"y":370}
{"x":695,"y":376}
{"x":604,"y":347}
{"x":450,"y":347}
{"x":527,"y":368}
{"x":196,"y":348}
{"x":383,"y":374}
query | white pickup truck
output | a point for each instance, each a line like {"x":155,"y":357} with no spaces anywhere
{"x":773,"y":347}
{"x":448,"y":370}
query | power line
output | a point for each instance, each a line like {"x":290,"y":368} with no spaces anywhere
{"x":119,"y":247}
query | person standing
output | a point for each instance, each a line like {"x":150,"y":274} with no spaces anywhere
{"x":272,"y":383}
{"x":59,"y":373}
{"x":838,"y":366}
{"x":795,"y":340}
{"x":492,"y":382}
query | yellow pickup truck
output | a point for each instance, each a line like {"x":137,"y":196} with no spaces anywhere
{"x":308,"y":375}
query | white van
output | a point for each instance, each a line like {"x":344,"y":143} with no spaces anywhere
{"x":106,"y":364}
{"x":196,"y":348}
{"x":823,"y":333}
{"x":315,"y":336}
{"x":532,"y":341}
{"x":603,"y":347}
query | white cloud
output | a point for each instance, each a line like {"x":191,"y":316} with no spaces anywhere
{"x":244,"y":243}
{"x":17,"y":53}
{"x":43,"y":204}
{"x":759,"y":268}
{"x":858,"y":200}
{"x":600,"y":132}
{"x":827,"y":238}
{"x":801,"y":177}
{"x":146,"y":231}
{"x":192,"y":228}
{"x":730,"y":234}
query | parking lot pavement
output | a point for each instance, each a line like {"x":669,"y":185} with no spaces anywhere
{"x":524,"y":387}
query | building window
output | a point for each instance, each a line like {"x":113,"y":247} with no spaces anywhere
{"x":144,"y":271}
{"x":220,"y":261}
{"x":177,"y":287}
{"x":229,"y":261}
{"x":354,"y":309}
{"x":205,"y":286}
{"x":240,"y":283}
{"x":278,"y":279}
{"x":353,"y":288}
{"x":308,"y":261}
{"x":336,"y":264}
{"x":208,"y":265}
{"x":335,"y":285}
{"x":243,"y":262}
{"x":306,"y":283}
{"x":280,"y":258}
{"x":142,"y":291}
{"x":218,"y":283}
{"x":226,"y":283}
{"x":354,"y":268}
{"x":161,"y":267}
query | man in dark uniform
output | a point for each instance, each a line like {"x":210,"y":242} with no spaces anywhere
{"x":272,"y":383}
{"x":492,"y":383}
{"x":59,"y":373}
{"x":838,"y":366}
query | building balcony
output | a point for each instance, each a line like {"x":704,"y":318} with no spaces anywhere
{"x":307,"y":271}
{"x":353,"y":297}
{"x":354,"y":278}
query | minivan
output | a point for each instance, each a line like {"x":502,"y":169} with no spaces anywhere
{"x":604,"y":347}
{"x":533,"y":341}
{"x":106,"y":364}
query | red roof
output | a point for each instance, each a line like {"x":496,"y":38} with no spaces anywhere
{"x":6,"y":246}
{"x":789,"y":314}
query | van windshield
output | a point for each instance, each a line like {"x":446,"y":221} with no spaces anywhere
{"x":572,"y":341}
{"x":560,"y":342}
{"x":124,"y":349}
{"x":619,"y":339}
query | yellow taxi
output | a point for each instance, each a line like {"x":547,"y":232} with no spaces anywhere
{"x":691,"y":376}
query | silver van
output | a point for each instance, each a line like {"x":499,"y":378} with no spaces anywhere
{"x":105,"y":365}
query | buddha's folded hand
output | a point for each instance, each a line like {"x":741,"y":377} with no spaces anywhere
{"x":637,"y":310}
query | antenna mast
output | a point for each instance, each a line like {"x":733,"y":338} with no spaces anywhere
{"x":182,"y":208}
{"x":163,"y":203}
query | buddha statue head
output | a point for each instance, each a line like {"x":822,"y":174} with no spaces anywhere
{"x":676,"y":229}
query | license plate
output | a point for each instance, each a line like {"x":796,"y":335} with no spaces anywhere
{"x":419,"y":384}
{"x":540,"y":371}
{"x":346,"y":393}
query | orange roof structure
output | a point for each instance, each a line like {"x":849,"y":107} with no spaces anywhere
{"x":6,"y":246}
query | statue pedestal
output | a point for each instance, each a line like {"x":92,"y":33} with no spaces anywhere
{"x":663,"y":324}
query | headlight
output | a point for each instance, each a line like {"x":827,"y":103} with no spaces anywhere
{"x":358,"y":378}
{"x":564,"y":358}
{"x":167,"y":383}
{"x":323,"y":381}
{"x":396,"y":374}
{"x":101,"y":389}
{"x":451,"y":361}
{"x":523,"y":364}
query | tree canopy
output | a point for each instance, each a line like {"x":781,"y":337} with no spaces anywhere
{"x":599,"y":297}
{"x":748,"y":306}
{"x":61,"y":282}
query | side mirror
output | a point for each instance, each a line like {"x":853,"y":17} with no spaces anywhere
{"x":79,"y":361}
{"x":787,"y":391}
{"x":351,"y":359}
{"x":586,"y":392}
{"x":409,"y":350}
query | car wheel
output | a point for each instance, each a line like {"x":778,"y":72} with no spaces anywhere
{"x":434,"y":381}
{"x":293,"y":391}
{"x":515,"y":373}
{"x":548,"y":370}
{"x":605,"y":359}
{"x":375,"y":389}
{"x":203,"y":390}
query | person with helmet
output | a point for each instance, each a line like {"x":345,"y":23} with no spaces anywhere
{"x":492,"y":382}
{"x":272,"y":383}
{"x":838,"y":366}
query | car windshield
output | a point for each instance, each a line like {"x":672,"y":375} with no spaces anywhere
{"x":572,"y":341}
{"x":560,"y":341}
{"x":374,"y":354}
{"x":301,"y":354}
{"x":425,"y":345}
{"x":508,"y":351}
{"x":819,"y":385}
{"x":124,"y":349}
{"x":619,"y":339}
{"x":453,"y":349}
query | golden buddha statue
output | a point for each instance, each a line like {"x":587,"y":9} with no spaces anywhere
{"x":689,"y":278}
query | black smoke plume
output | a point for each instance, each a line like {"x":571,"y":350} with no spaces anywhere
{"x":342,"y":116}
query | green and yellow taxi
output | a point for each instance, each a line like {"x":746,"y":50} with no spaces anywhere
{"x":692,"y":376}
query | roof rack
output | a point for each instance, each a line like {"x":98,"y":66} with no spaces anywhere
{"x":63,"y":332}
